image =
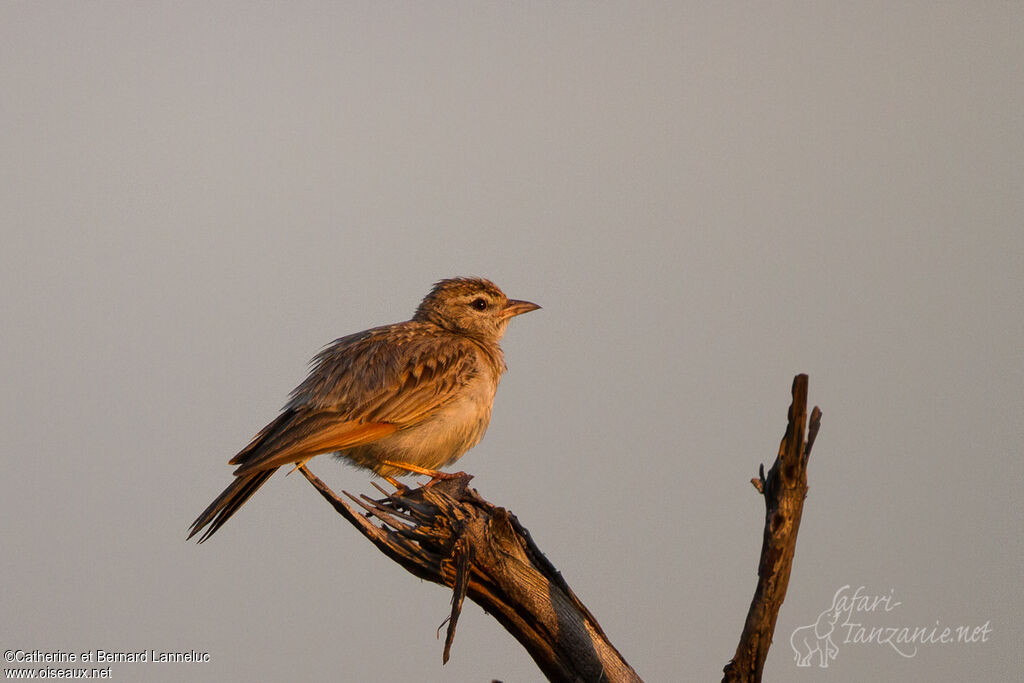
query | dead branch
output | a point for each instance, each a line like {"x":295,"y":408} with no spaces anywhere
{"x":784,"y":490}
{"x":448,"y":534}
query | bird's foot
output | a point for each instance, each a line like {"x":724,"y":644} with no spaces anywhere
{"x":435,"y":475}
{"x":442,"y":476}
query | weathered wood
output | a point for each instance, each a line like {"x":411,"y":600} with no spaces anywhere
{"x":784,"y":490}
{"x":446,"y":533}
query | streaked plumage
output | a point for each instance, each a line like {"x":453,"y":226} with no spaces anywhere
{"x":416,"y":393}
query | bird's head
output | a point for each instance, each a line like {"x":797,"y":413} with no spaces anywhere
{"x":472,"y":306}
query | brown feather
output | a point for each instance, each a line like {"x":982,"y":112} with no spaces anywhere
{"x":225,"y":505}
{"x":309,"y":435}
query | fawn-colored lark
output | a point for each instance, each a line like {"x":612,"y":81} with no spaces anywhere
{"x":405,"y":398}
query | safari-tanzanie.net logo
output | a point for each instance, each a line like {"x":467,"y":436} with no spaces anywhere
{"x":858,"y":617}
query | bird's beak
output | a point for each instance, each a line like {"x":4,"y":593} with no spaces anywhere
{"x":516,"y":307}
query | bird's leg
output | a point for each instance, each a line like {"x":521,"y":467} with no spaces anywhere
{"x":435,"y":475}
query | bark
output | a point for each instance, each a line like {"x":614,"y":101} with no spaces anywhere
{"x":447,"y":533}
{"x":784,"y":490}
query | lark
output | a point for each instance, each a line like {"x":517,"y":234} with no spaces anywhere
{"x":411,"y":397}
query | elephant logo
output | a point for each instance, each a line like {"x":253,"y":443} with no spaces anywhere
{"x":817,"y":638}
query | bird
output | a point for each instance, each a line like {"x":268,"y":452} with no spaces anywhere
{"x":411,"y":397}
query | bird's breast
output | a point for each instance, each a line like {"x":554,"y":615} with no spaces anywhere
{"x":441,"y":438}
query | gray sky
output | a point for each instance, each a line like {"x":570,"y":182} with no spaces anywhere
{"x":706,"y":199}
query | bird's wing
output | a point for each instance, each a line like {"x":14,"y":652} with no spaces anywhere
{"x":362,"y":388}
{"x":396,"y":374}
{"x":300,"y":434}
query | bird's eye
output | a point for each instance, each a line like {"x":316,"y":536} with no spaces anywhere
{"x":479,"y":304}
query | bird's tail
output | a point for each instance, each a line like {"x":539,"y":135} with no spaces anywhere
{"x":225,"y":505}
